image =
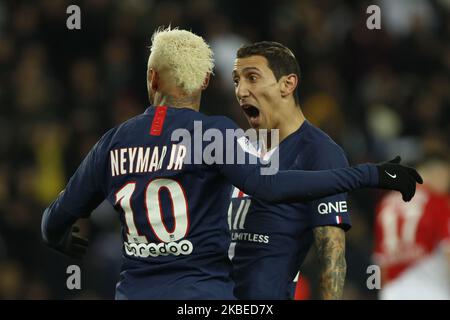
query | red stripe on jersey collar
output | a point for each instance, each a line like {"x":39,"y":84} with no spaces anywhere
{"x":158,"y":120}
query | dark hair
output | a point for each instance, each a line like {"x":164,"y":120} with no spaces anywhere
{"x":281,"y":60}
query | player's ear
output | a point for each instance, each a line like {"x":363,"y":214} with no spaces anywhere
{"x":153,"y":78}
{"x":206,"y":81}
{"x":288,"y":84}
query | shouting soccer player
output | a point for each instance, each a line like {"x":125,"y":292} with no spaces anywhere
{"x":170,"y":190}
{"x":270,"y":241}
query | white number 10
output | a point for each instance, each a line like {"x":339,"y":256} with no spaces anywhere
{"x":154,"y":211}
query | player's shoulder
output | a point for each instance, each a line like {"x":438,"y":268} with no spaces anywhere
{"x":219,"y":122}
{"x":179,"y":118}
{"x":318,"y":143}
{"x":132,"y":122}
{"x":113,"y":134}
{"x":317,"y":151}
{"x":104,"y":143}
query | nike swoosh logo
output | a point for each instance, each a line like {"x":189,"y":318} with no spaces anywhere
{"x":393,"y":176}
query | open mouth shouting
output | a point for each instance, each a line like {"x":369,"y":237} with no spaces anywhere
{"x":252,"y":113}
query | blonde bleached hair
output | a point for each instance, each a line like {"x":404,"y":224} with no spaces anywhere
{"x":183,"y":56}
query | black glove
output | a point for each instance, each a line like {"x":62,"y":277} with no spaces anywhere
{"x":72,"y":244}
{"x":394,"y":176}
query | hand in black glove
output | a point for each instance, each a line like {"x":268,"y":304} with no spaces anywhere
{"x":72,"y":244}
{"x":394,"y":176}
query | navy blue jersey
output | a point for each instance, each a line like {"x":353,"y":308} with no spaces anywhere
{"x":174,"y":211}
{"x":270,"y":240}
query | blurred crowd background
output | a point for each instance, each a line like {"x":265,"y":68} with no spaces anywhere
{"x":378,"y":93}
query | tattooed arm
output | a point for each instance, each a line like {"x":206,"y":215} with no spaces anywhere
{"x":330,"y":244}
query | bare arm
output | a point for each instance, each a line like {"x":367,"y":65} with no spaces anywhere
{"x":330,"y":244}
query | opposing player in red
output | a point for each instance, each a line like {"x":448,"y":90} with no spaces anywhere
{"x":413,"y":239}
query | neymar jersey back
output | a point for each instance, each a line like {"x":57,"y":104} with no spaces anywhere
{"x":173,"y":211}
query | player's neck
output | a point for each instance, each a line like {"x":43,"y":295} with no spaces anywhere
{"x":290,"y":123}
{"x":190,"y":102}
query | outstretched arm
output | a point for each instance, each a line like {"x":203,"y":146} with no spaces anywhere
{"x":298,"y":185}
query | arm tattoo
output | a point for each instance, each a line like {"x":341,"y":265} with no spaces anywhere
{"x":330,"y":244}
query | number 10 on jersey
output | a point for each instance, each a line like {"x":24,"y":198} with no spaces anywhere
{"x":153,"y":209}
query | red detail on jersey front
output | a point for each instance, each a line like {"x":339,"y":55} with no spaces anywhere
{"x":238,"y":193}
{"x":406,"y":232}
{"x":158,"y":120}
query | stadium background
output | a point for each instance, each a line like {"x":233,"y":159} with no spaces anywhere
{"x":378,"y":93}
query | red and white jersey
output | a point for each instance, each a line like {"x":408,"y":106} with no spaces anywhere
{"x":408,"y":245}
